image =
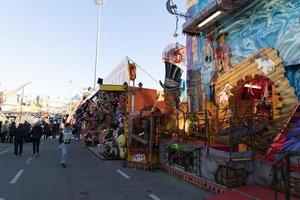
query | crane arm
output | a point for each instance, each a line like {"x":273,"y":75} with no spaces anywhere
{"x":14,"y":91}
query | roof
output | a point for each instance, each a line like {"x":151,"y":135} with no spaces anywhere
{"x":225,"y":6}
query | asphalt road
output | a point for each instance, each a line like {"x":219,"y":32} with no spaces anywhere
{"x":85,"y":178}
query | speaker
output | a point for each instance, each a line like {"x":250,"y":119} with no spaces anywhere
{"x":100,"y":81}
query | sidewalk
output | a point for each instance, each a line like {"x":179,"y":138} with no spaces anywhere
{"x":94,"y":150}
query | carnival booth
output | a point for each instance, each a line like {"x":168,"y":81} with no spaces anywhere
{"x":101,"y":118}
{"x":111,"y":115}
{"x":144,"y":136}
{"x":243,"y":80}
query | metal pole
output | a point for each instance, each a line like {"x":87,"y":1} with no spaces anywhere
{"x":97,"y":43}
{"x":70,"y":95}
{"x":132,"y":96}
{"x":22,"y":104}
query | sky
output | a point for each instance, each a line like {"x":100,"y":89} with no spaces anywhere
{"x":52,"y":42}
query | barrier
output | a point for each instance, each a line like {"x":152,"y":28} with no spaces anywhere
{"x":200,"y":182}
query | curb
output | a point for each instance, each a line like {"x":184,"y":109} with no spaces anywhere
{"x":100,"y":156}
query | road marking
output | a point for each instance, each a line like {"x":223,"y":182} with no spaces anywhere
{"x":123,"y":174}
{"x":2,"y":199}
{"x":27,"y":161}
{"x":15,"y":179}
{"x":154,"y":197}
{"x":5,"y":151}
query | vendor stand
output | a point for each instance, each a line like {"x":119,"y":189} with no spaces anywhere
{"x":144,"y":137}
{"x":112,"y":105}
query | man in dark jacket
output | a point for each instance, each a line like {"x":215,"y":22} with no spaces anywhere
{"x":19,"y":139}
{"x":12,"y":131}
{"x":27,"y":131}
{"x":36,"y":134}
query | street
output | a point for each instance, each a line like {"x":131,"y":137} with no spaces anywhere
{"x":86,"y":177}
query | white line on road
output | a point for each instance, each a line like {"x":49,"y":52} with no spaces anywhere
{"x":123,"y":174}
{"x":27,"y":161}
{"x":154,"y":197}
{"x":5,"y":151}
{"x":2,"y":199}
{"x":15,"y":179}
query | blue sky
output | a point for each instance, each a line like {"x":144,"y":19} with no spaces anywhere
{"x":50,"y":42}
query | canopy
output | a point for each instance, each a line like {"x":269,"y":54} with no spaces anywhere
{"x":93,"y":93}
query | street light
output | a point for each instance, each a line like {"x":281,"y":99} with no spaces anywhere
{"x":99,"y":4}
{"x":70,"y":94}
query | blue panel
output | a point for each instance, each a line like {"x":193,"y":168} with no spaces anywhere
{"x":293,"y":74}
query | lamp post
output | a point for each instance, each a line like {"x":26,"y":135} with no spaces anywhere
{"x":99,"y":4}
{"x":70,"y":96}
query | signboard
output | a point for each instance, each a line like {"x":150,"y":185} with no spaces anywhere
{"x":139,"y":157}
{"x":131,"y":71}
{"x":118,"y":88}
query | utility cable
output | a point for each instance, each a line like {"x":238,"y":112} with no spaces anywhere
{"x":143,"y":70}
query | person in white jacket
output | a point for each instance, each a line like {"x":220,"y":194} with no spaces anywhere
{"x":65,"y":140}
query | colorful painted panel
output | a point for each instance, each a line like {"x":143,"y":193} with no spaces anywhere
{"x":190,"y":3}
{"x":274,"y":24}
{"x":266,"y":24}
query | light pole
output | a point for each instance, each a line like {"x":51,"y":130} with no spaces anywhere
{"x":70,"y":95}
{"x":99,"y":4}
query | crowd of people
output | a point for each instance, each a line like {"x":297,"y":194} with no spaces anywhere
{"x":25,"y":132}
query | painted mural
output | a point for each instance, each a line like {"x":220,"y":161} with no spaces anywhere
{"x":266,"y":24}
{"x":293,"y":74}
{"x":190,"y":3}
{"x":272,"y":23}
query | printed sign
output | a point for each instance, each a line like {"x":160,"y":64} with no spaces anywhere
{"x":139,"y":157}
{"x":131,"y":71}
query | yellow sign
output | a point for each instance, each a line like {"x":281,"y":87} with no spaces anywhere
{"x":120,"y":88}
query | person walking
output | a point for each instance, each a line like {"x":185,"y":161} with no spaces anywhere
{"x":4,"y":131}
{"x":55,"y":130}
{"x":65,"y":140}
{"x":47,"y":131}
{"x":12,"y":131}
{"x":19,"y":140}
{"x":27,"y":131}
{"x":36,"y":134}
